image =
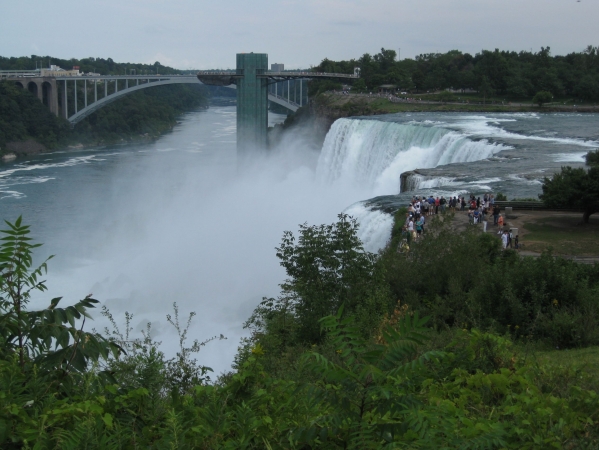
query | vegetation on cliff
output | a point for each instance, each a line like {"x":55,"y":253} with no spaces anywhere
{"x":145,"y":113}
{"x":23,"y":116}
{"x":336,"y":361}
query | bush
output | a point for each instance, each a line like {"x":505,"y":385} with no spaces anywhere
{"x":387,"y":388}
{"x":542,"y":97}
{"x":465,"y":280}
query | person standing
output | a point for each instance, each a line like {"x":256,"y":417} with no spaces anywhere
{"x":419,"y":228}
{"x":442,"y":202}
{"x":504,"y":239}
{"x":496,"y":212}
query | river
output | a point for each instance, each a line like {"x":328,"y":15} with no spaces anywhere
{"x":142,"y":226}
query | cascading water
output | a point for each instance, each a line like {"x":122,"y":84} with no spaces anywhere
{"x":374,"y":153}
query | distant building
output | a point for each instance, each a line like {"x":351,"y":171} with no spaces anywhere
{"x":55,"y":71}
{"x":277,"y":67}
{"x":387,"y":88}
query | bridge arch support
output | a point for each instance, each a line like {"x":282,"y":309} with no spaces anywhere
{"x":107,"y":99}
{"x":35,"y":87}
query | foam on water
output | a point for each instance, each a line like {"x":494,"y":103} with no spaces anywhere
{"x":68,"y":163}
{"x":482,"y":126}
{"x":570,"y":157}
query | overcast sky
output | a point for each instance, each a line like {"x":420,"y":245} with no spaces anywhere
{"x":204,"y":34}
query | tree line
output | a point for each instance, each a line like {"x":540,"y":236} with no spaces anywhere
{"x":95,"y":65}
{"x":514,"y":75}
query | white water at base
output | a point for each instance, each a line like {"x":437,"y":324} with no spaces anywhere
{"x":373,"y":154}
{"x":375,"y":226}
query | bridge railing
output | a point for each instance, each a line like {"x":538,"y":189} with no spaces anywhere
{"x":308,"y":74}
{"x":19,"y":73}
{"x":287,"y":74}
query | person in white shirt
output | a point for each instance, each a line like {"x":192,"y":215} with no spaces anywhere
{"x":504,"y":239}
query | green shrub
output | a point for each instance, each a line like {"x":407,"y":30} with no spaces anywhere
{"x":389,"y":387}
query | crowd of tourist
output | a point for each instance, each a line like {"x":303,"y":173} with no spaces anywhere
{"x":478,"y":211}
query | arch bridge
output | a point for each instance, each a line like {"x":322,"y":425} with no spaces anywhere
{"x":99,"y":91}
{"x":251,"y":78}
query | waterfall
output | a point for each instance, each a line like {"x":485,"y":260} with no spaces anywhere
{"x":374,"y":153}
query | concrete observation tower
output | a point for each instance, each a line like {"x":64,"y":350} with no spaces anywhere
{"x":252,"y":78}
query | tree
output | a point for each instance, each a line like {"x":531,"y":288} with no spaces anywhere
{"x":542,"y":97}
{"x":588,"y":87}
{"x":575,"y":188}
{"x":326,"y":267}
{"x":47,"y":341}
{"x":485,"y":88}
{"x":592,"y":158}
{"x":446,"y":96}
{"x":360,"y":86}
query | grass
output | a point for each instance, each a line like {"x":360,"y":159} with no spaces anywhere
{"x":557,"y":369}
{"x":578,"y":366}
{"x":390,"y":107}
{"x":586,"y":359}
{"x":563,"y":235}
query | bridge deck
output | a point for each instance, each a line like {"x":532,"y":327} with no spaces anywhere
{"x":269,"y":74}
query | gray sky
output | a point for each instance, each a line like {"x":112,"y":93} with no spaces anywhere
{"x":204,"y":34}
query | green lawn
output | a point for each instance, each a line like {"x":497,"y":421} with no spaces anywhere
{"x":390,"y":107}
{"x":564,"y":235}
